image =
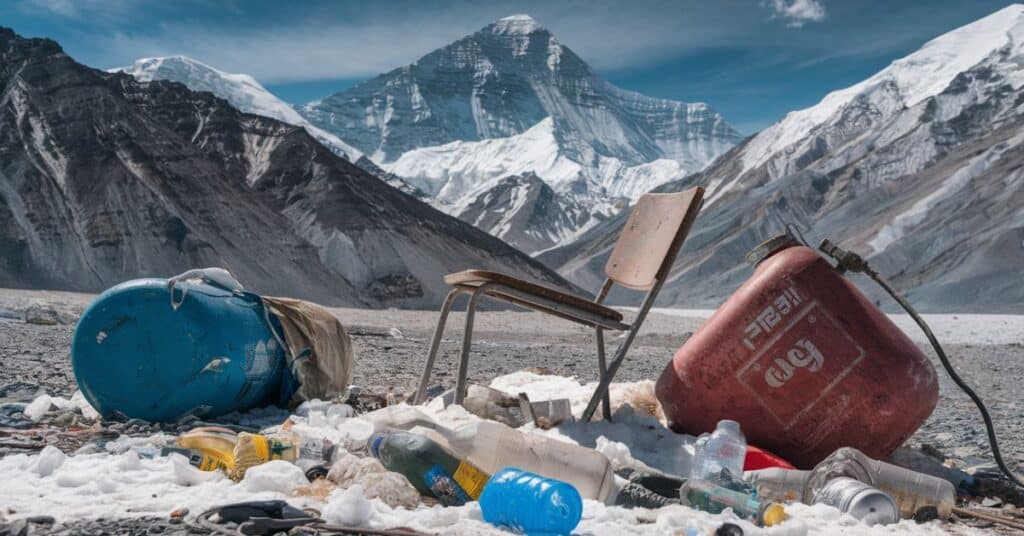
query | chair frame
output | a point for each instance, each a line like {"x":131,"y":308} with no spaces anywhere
{"x":574,"y":314}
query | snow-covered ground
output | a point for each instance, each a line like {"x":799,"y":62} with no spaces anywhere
{"x":948,"y":328}
{"x":118,"y":483}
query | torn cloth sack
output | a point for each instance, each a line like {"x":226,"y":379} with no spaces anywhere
{"x":319,"y":349}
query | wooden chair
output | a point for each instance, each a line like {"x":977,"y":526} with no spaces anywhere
{"x":643,"y":255}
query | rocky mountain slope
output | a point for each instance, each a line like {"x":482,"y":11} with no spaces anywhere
{"x":105,"y":178}
{"x":920,"y":166}
{"x":512,"y":100}
{"x":248,"y":95}
{"x":524,"y":210}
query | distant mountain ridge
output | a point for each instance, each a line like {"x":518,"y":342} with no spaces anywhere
{"x":105,"y":178}
{"x":248,"y":95}
{"x":920,"y":166}
{"x":512,"y":91}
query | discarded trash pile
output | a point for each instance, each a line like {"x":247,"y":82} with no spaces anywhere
{"x":403,"y":466}
{"x":798,"y":361}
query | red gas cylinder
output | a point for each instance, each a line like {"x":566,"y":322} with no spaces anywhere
{"x":803,"y":361}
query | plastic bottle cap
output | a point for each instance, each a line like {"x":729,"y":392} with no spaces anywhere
{"x":773,"y":515}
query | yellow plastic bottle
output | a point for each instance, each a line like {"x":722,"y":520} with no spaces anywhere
{"x":213,"y":441}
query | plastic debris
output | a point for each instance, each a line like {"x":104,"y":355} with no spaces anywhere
{"x":710,"y":497}
{"x":531,"y":504}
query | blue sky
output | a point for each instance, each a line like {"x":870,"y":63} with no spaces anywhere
{"x":753,"y":60}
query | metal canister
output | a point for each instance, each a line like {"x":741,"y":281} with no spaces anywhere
{"x":866,"y":503}
{"x":804,"y":361}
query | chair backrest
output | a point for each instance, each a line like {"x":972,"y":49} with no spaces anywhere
{"x":648,"y":244}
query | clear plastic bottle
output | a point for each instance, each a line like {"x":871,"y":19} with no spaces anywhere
{"x":724,"y":450}
{"x":530,"y":504}
{"x":699,"y":452}
{"x":492,"y":446}
{"x":777,"y":484}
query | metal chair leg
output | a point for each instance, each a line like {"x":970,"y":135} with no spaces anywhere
{"x":428,"y":369}
{"x":606,"y":379}
{"x":620,"y":354}
{"x":601,"y":368}
{"x":467,"y":341}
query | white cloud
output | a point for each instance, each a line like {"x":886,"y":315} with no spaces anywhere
{"x":796,"y":13}
{"x":75,"y":8}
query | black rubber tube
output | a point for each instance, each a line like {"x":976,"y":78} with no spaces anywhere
{"x":989,"y":427}
{"x":850,"y":261}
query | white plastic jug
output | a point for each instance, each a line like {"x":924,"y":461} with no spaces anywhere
{"x":492,"y":446}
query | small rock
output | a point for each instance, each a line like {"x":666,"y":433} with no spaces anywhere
{"x":41,"y":315}
{"x":18,"y":527}
{"x":178,"y":514}
{"x":64,"y":419}
{"x":991,"y":502}
{"x":729,"y":529}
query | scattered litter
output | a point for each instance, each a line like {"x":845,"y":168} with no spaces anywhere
{"x":530,"y":503}
{"x":990,"y":502}
{"x":391,"y":488}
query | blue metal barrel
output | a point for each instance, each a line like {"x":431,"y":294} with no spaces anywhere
{"x":134,"y":353}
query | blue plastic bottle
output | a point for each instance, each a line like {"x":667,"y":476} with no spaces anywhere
{"x":530,"y":504}
{"x":135,"y":353}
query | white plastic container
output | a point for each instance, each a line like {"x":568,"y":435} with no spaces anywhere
{"x":492,"y":446}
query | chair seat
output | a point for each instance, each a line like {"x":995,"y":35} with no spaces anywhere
{"x":475,"y":278}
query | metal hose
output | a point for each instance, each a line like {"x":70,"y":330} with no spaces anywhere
{"x":852,"y":262}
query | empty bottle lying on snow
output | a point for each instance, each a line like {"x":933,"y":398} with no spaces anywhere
{"x":492,"y":446}
{"x":235,"y":453}
{"x":912,"y":492}
{"x":709,"y":497}
{"x":434,"y":471}
{"x":256,"y":449}
{"x":530,"y":504}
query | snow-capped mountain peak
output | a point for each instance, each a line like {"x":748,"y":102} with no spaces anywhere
{"x":919,"y":167}
{"x":913,"y":78}
{"x":520,"y":24}
{"x":513,"y":92}
{"x":241,"y":90}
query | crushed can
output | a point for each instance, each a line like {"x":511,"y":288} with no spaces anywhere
{"x":870,"y":505}
{"x":804,"y":361}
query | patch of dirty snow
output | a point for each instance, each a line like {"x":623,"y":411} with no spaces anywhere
{"x":975,"y":329}
{"x":120,"y":483}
